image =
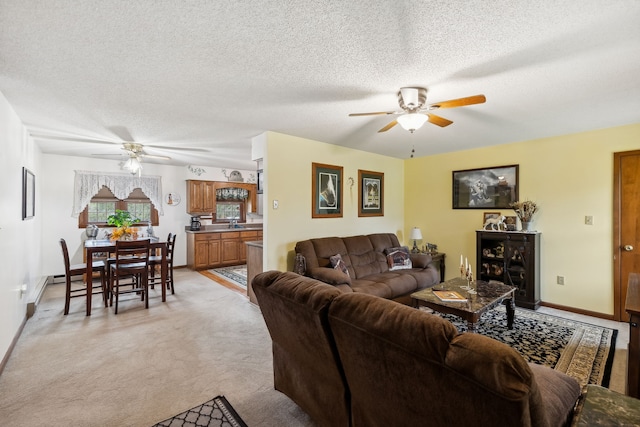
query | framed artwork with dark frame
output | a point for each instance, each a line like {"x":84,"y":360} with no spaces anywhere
{"x":326,"y":191}
{"x":28,"y":194}
{"x":370,"y":193}
{"x":483,"y":188}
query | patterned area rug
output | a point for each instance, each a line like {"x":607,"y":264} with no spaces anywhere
{"x":581,"y":350}
{"x":237,"y":274}
{"x":216,"y":412}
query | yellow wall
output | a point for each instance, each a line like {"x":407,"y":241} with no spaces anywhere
{"x":568,"y":176}
{"x":287,"y":166}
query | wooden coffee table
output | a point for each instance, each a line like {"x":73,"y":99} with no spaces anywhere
{"x":488,"y":296}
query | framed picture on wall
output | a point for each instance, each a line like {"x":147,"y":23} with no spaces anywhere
{"x":483,"y":188}
{"x":326,"y":191}
{"x":370,"y":193}
{"x":28,"y":194}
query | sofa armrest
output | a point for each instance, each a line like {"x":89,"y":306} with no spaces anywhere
{"x":420,"y":260}
{"x":330,"y":276}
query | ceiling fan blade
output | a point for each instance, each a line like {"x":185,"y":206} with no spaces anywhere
{"x":109,"y":155}
{"x":440,"y":121}
{"x":389,"y":126}
{"x":378,"y":113}
{"x":151,"y":156}
{"x":461,"y":102}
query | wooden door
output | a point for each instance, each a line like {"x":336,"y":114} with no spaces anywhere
{"x":626,"y":227}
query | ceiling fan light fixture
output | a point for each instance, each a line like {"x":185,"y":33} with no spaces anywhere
{"x":412,"y":121}
{"x":133,"y":165}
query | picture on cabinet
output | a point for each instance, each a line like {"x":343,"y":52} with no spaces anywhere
{"x":482,"y":188}
{"x":370,"y":193}
{"x":326,"y":191}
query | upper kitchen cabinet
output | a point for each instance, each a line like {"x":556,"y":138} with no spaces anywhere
{"x":205,"y":197}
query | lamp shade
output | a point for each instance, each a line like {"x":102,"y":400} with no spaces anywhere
{"x":412,"y":121}
{"x":416,"y":234}
{"x":133,"y":165}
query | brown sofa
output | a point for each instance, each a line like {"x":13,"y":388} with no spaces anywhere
{"x":365,"y":259}
{"x":351,"y":359}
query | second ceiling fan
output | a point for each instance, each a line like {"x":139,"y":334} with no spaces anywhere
{"x":415,"y":112}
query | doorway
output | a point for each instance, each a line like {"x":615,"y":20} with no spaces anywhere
{"x":626,"y":226}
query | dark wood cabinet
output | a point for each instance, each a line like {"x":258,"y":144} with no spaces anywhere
{"x":512,"y":258}
{"x":632,"y":306}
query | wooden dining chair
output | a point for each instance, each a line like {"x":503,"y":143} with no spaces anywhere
{"x":129,"y":271}
{"x":156,"y":260}
{"x":71,"y":270}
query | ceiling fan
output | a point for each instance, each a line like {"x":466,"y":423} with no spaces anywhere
{"x":135,"y":152}
{"x":414,"y":113}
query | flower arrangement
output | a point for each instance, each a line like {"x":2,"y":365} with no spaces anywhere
{"x":123,"y":220}
{"x":524,"y":210}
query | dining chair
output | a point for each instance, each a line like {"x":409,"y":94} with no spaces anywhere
{"x":88,"y":286}
{"x":156,"y":260}
{"x":130,"y":269}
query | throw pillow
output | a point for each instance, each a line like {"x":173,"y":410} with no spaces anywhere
{"x":338,"y":264}
{"x":398,"y":258}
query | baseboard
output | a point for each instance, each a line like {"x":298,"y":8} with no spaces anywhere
{"x":36,"y":295}
{"x":5,"y":359}
{"x":578,"y":311}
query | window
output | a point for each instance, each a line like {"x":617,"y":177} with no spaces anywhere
{"x":105,"y":203}
{"x":226,"y":211}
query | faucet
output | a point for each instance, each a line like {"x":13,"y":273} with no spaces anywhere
{"x":233,"y":223}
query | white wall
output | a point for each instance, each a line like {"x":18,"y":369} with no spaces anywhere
{"x":19,"y":240}
{"x":57,"y":198}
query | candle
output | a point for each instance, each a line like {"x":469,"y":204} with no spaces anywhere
{"x":460,"y":260}
{"x":466,"y":263}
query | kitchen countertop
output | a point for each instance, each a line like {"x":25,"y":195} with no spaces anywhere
{"x":219,"y":229}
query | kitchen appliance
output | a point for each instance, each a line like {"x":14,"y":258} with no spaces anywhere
{"x":195,"y":223}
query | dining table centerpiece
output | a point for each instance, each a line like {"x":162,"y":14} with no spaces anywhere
{"x":123,"y":221}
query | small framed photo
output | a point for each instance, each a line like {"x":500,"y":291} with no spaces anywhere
{"x":326,"y":191}
{"x":490,"y":220}
{"x":483,"y":188}
{"x":510,"y":223}
{"x":28,"y":194}
{"x":370,"y":193}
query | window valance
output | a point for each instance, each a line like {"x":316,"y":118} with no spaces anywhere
{"x":87,"y":184}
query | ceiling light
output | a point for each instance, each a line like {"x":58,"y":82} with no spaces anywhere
{"x":133,"y":165}
{"x":412,"y":121}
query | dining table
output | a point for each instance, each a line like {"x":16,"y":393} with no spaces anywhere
{"x":95,"y":246}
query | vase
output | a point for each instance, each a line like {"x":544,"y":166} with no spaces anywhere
{"x":526,"y":225}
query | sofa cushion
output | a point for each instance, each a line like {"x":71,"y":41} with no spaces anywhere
{"x":330,"y":276}
{"x":398,"y":258}
{"x":559,"y":393}
{"x":363,"y":257}
{"x":389,"y":284}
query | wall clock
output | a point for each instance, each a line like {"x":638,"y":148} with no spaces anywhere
{"x":172,"y":199}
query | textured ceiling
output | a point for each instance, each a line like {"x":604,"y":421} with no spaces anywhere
{"x":196,"y":80}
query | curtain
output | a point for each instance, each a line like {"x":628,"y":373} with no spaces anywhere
{"x":87,"y":184}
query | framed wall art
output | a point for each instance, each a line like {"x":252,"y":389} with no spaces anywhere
{"x":370,"y":193}
{"x":28,"y":194}
{"x":483,"y":188}
{"x":326,"y":191}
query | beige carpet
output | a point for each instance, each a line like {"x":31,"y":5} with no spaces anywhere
{"x":143,"y":366}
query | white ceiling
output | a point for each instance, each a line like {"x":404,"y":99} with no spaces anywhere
{"x":198,"y":79}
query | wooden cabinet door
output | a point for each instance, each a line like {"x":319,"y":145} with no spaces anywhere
{"x":214,"y":253}
{"x":201,"y":254}
{"x":230,"y":251}
{"x":208,"y":196}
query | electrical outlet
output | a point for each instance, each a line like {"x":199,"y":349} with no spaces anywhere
{"x":588,"y":220}
{"x":560,"y":280}
{"x":275,"y":204}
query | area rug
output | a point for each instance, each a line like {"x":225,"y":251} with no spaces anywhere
{"x":216,"y":412}
{"x":581,"y":350}
{"x":236,"y":274}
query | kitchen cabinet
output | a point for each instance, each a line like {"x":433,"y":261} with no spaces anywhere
{"x":514,"y":259}
{"x":214,"y":249}
{"x":201,"y":195}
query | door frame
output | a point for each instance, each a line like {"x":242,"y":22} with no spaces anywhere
{"x":619,"y":314}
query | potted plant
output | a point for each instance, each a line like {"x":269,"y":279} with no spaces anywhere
{"x":123,"y":220}
{"x":525,"y":211}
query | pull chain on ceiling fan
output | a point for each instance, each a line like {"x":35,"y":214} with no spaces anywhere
{"x":414,"y":113}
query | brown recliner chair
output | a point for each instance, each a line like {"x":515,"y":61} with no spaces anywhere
{"x":406,"y":367}
{"x":305,"y":360}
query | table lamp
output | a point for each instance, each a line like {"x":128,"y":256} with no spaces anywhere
{"x":416,"y":235}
